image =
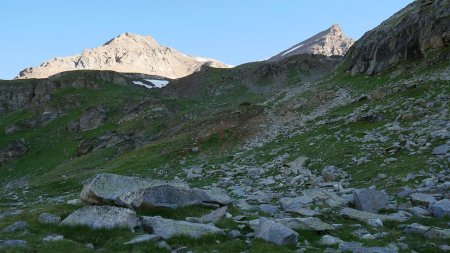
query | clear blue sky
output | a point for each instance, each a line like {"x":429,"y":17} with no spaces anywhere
{"x":233,"y":31}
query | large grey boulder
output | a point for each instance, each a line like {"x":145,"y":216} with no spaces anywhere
{"x":273,"y":232}
{"x":308,"y":223}
{"x":142,"y":193}
{"x":175,"y":196}
{"x":370,"y":200}
{"x":440,"y":208}
{"x":110,"y":189}
{"x":167,"y":228}
{"x":108,"y":217}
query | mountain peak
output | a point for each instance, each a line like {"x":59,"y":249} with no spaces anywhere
{"x":335,"y":29}
{"x":128,"y":53}
{"x":132,"y":38}
{"x":330,"y":42}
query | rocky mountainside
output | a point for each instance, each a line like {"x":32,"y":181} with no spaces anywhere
{"x":289,"y":156}
{"x":420,"y":28}
{"x":127,"y":53}
{"x":331,"y":42}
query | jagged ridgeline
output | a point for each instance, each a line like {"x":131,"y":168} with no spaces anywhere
{"x":329,"y":146}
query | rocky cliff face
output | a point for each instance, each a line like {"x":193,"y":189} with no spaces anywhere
{"x":331,"y":42}
{"x":34,"y":94}
{"x":127,"y":53}
{"x":420,"y":27}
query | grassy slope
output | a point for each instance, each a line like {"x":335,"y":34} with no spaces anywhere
{"x":53,"y":169}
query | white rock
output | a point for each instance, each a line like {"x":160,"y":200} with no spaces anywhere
{"x":375,"y":222}
{"x":329,"y":240}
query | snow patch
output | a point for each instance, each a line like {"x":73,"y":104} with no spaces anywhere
{"x":152,"y":83}
{"x":158,"y":83}
{"x":292,"y":49}
{"x":143,"y":84}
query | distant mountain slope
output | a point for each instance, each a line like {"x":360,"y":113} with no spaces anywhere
{"x":126,"y":53}
{"x":331,"y":42}
{"x":421,"y":27}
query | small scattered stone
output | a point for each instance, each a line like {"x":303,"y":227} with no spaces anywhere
{"x":358,"y":247}
{"x":16,"y":227}
{"x":47,"y":218}
{"x":329,"y":240}
{"x":293,"y":204}
{"x":276,"y":233}
{"x":441,"y":208}
{"x":213,"y":217}
{"x":164,"y":245}
{"x":422,"y":198}
{"x":419,"y":212}
{"x":12,"y":243}
{"x":375,"y":222}
{"x":143,"y":238}
{"x":74,"y":202}
{"x":268,"y":208}
{"x":441,"y":150}
{"x":52,"y":238}
{"x":370,"y":200}
{"x":234,"y":234}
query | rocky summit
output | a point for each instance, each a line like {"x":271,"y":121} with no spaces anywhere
{"x":331,"y":42}
{"x":128,"y":53}
{"x":315,"y":150}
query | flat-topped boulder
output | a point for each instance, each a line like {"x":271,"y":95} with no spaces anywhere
{"x":167,"y":228}
{"x":366,"y":216}
{"x":422,"y":198}
{"x":134,"y":192}
{"x":308,"y":223}
{"x":107,"y":217}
